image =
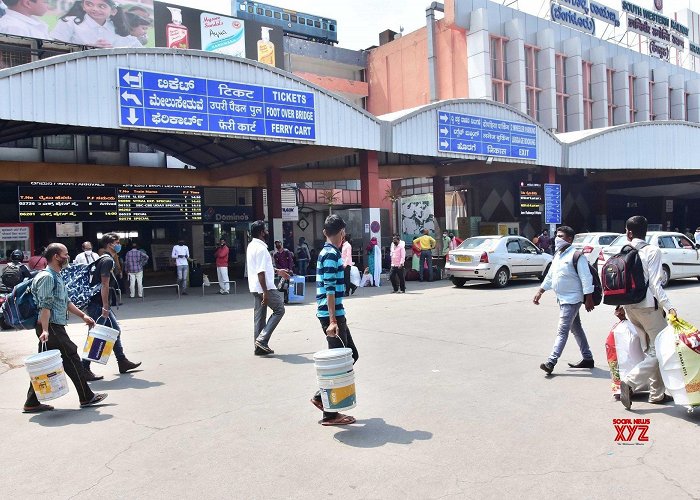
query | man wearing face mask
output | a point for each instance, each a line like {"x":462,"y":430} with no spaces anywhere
{"x":573,"y":287}
{"x":100,"y":306}
{"x":87,"y":256}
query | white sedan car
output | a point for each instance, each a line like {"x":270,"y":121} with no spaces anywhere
{"x":680,"y":257}
{"x":496,"y":258}
{"x":591,"y":244}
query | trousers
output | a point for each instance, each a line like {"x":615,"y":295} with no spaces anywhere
{"x":569,"y":321}
{"x":426,"y":256}
{"x":397,"y":278}
{"x":58,"y":339}
{"x":262,"y":326}
{"x":649,"y":322}
{"x":182,"y":274}
{"x":136,"y":284}
{"x":222,"y":274}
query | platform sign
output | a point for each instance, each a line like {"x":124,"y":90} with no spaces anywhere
{"x":185,"y":103}
{"x":475,"y":135}
{"x":552,"y":203}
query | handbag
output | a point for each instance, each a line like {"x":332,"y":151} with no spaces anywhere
{"x":283,"y":285}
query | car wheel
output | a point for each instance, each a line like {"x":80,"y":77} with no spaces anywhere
{"x":665,"y":275}
{"x":458,"y":282}
{"x":501,"y":278}
{"x":542,"y":276}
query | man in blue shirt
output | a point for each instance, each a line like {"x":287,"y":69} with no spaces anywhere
{"x":330,"y":290}
{"x":573,"y":286}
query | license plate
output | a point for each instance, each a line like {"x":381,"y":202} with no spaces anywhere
{"x":463,"y":258}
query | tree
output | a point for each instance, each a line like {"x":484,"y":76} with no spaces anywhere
{"x":330,"y":197}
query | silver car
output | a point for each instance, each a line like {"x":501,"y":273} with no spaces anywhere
{"x":497,"y":259}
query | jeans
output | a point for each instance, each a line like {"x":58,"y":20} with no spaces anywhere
{"x":649,"y":322}
{"x":136,"y":282}
{"x":335,"y":343}
{"x":302,"y":264}
{"x":348,"y":284}
{"x":569,"y":321}
{"x":426,"y":256}
{"x":182,"y":274}
{"x":397,"y":278}
{"x":222,"y":274}
{"x":58,"y":339}
{"x":95,"y":312}
{"x":263,"y":327}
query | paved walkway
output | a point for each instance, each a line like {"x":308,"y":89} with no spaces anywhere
{"x":451,"y":404}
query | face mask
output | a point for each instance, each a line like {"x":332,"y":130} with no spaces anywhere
{"x":560,"y":243}
{"x":117,"y":248}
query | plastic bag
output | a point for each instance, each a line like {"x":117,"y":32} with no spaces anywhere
{"x":624,"y":352}
{"x":355,"y":275}
{"x":205,"y":281}
{"x":678,"y":352}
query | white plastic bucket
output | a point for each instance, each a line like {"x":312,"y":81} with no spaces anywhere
{"x":47,"y":375}
{"x":333,"y":362}
{"x":99,"y":343}
{"x":338,"y":393}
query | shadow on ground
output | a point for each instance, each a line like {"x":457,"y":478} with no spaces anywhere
{"x":375,"y":432}
{"x":62,"y":418}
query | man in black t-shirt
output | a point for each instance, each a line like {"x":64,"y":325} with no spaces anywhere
{"x":100,"y":306}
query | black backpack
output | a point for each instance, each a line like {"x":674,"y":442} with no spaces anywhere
{"x":597,"y":286}
{"x":623,"y":277}
{"x":12,"y":275}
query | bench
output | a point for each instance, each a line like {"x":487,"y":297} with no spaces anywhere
{"x":235,"y":289}
{"x":143,"y":297}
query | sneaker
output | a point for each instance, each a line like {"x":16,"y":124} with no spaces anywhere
{"x":263,"y":347}
{"x":547,"y":367}
{"x":625,"y":395}
{"x":221,"y":292}
{"x":91,"y":377}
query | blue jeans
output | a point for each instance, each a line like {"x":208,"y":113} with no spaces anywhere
{"x":182,"y":273}
{"x":426,"y":256}
{"x":569,"y":321}
{"x":95,"y":312}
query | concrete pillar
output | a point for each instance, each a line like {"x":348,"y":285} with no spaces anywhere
{"x":677,"y":85}
{"x":546,"y":76}
{"x":574,"y":84}
{"x":439,"y":210}
{"x":479,"y":56}
{"x":641,"y":90}
{"x":274,"y":203}
{"x":599,"y":87}
{"x":660,"y":94}
{"x":601,"y":206}
{"x":258,"y":204}
{"x":515,"y":64}
{"x":693,"y":87}
{"x":370,"y":196}
{"x":621,"y":90}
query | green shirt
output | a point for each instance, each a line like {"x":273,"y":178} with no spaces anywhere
{"x":49,"y":291}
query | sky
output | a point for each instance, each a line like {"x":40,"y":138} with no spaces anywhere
{"x":361,"y":21}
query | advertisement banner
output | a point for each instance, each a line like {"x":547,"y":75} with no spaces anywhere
{"x":95,"y":23}
{"x":181,"y":27}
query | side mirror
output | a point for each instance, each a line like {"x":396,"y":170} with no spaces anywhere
{"x":538,"y":250}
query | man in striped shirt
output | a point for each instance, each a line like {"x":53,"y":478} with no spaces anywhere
{"x":330,"y":290}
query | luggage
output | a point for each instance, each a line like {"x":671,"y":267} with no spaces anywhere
{"x":597,"y":285}
{"x":297,"y":289}
{"x":19,"y":310}
{"x":79,"y":283}
{"x":624,"y":352}
{"x":196,"y":275}
{"x":623,"y":278}
{"x":12,"y":275}
{"x":678,"y":352}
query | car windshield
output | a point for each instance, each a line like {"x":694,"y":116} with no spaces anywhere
{"x":622,"y":239}
{"x":478,"y":243}
{"x":580,"y":238}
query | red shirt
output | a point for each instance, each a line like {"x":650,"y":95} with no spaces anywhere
{"x":221,"y":255}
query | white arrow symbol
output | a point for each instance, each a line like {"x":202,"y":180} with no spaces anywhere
{"x":444,"y":131}
{"x":444,"y":144}
{"x":131,"y":97}
{"x":132,"y":118}
{"x":443,"y":118}
{"x":133,"y":79}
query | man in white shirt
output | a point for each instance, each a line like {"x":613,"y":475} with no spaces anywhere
{"x":697,"y":236}
{"x":87,"y":256}
{"x":261,"y":283}
{"x":573,"y":286}
{"x":647,"y":316}
{"x":22,"y":19}
{"x":181,"y":256}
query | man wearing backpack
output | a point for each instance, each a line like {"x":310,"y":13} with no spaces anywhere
{"x":53,"y":304}
{"x":573,"y":287}
{"x":15,"y":272}
{"x":647,"y":316}
{"x":100,"y":306}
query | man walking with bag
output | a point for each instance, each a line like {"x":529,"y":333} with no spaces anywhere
{"x":647,"y":316}
{"x":49,"y":291}
{"x":573,"y":287}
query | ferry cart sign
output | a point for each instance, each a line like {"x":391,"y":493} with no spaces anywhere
{"x":475,"y":135}
{"x":185,"y":103}
{"x":552,"y":203}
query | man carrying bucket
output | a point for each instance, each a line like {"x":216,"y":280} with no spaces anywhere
{"x":49,"y":291}
{"x":330,"y":290}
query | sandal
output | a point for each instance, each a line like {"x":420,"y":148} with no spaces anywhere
{"x":97,"y":398}
{"x":339,"y":419}
{"x":37,"y":409}
{"x":317,"y":403}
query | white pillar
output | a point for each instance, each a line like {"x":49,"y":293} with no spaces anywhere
{"x":574,"y":84}
{"x":546,"y":76}
{"x":693,"y":87}
{"x":621,"y":90}
{"x":677,"y":84}
{"x":660,"y":94}
{"x":515,"y":64}
{"x":479,"y":56}
{"x":599,"y":87}
{"x":641,"y":90}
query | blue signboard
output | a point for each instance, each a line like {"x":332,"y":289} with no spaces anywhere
{"x":475,"y":135}
{"x":177,"y":102}
{"x":552,"y":203}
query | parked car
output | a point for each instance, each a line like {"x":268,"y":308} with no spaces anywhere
{"x":591,"y":245}
{"x":680,"y":257}
{"x":496,"y":258}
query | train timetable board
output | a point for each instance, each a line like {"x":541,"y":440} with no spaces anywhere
{"x":86,"y":202}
